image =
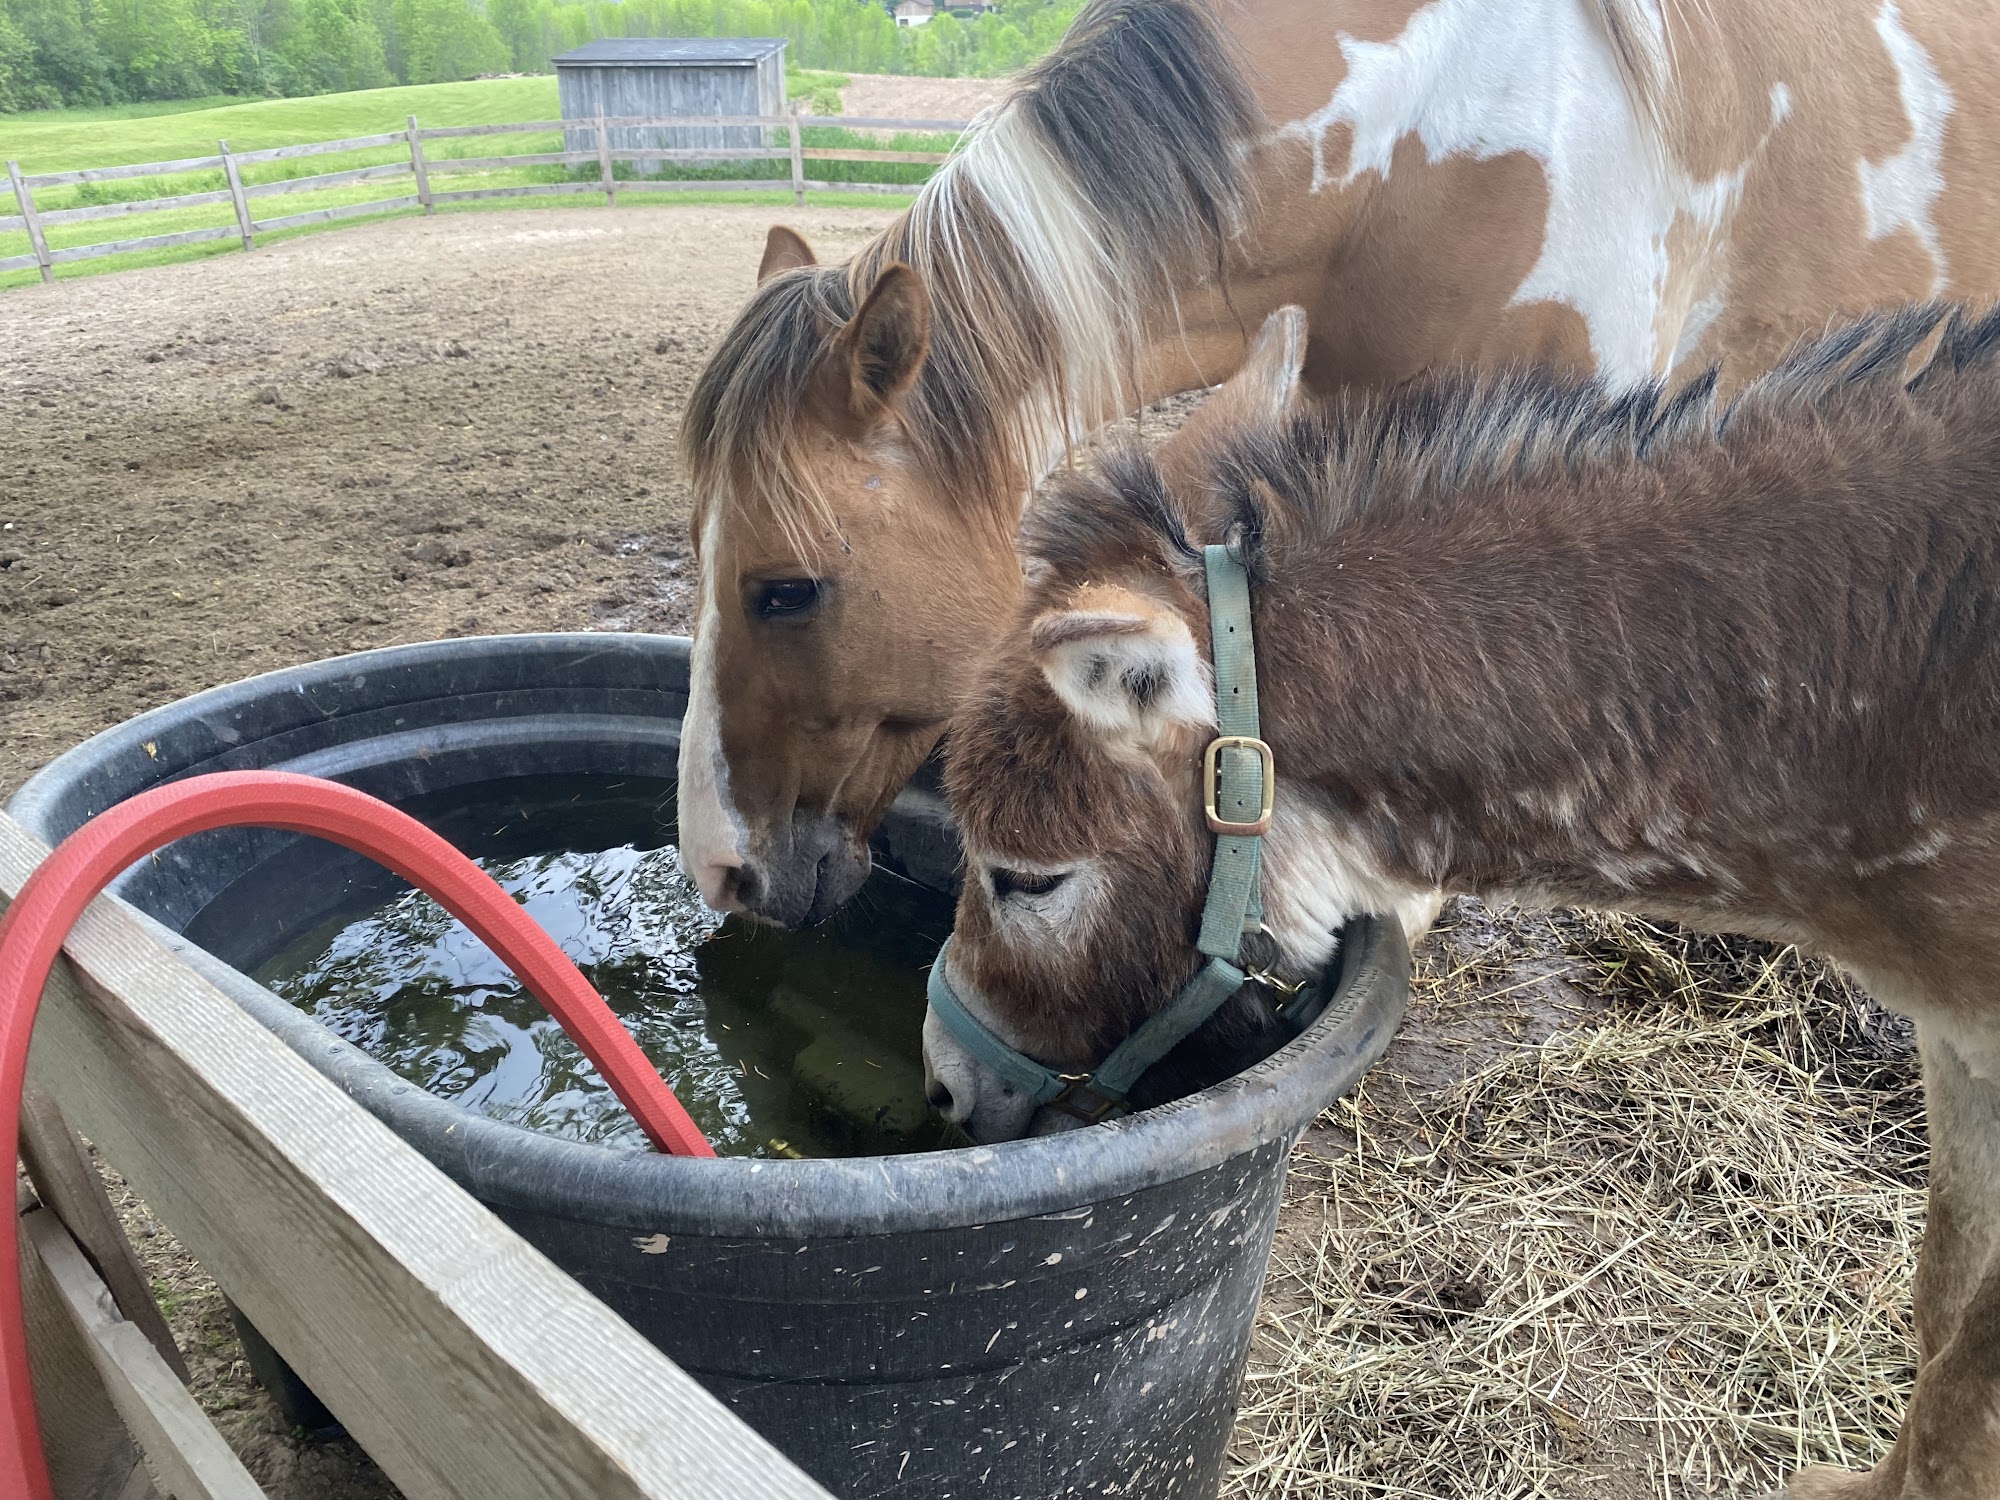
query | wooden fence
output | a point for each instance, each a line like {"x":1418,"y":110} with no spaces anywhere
{"x":419,"y":169}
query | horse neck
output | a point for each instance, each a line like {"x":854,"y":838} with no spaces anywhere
{"x":1686,"y":701}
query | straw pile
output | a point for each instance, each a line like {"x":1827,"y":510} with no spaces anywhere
{"x":1663,"y":1248}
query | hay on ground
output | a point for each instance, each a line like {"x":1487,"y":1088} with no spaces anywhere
{"x":1665,"y":1252}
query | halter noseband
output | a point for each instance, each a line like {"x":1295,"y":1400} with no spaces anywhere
{"x":1238,"y":783}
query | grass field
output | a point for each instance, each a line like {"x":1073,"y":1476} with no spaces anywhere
{"x":69,"y":139}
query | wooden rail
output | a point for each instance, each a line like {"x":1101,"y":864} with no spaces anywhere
{"x":417,"y":167}
{"x":462,"y":1360}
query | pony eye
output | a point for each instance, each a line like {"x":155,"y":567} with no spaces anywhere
{"x":787,"y":596}
{"x":1020,"y":883}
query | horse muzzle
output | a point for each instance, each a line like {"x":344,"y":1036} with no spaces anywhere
{"x":803,"y":878}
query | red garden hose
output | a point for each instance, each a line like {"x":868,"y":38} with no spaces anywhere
{"x":34,"y":928}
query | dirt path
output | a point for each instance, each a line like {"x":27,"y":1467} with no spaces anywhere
{"x":894,"y":98}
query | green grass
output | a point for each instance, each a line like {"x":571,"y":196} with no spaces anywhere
{"x":61,"y":140}
{"x":65,"y":140}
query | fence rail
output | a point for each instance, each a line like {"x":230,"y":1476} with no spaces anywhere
{"x":418,"y":165}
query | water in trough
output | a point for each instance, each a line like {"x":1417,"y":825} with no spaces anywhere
{"x":778,"y":1043}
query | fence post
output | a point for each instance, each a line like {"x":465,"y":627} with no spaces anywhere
{"x":417,"y":164}
{"x":26,"y":199}
{"x":798,"y":163}
{"x":604,"y":162}
{"x":229,"y":170}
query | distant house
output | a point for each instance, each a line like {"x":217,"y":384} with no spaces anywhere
{"x":668,"y":77}
{"x":914,"y":12}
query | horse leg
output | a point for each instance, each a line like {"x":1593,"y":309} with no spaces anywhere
{"x":1418,"y":913}
{"x":1949,"y":1445}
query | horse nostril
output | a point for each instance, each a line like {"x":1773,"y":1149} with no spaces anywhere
{"x":748,"y":884}
{"x":939,"y":1096}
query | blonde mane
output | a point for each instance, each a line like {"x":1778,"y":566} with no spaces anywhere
{"x":1066,"y":216}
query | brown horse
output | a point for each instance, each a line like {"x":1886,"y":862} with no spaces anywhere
{"x":1635,"y":187}
{"x":1736,"y":664}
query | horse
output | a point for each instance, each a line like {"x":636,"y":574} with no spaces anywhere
{"x":1729,"y":661}
{"x":1638,"y":188}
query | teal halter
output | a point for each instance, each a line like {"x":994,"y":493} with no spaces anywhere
{"x":1238,"y":782}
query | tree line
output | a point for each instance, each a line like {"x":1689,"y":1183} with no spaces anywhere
{"x":55,"y":53}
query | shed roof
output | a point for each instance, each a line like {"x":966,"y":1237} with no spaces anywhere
{"x":671,"y":51}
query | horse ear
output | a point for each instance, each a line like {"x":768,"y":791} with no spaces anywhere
{"x":1127,"y":668}
{"x":884,"y":345}
{"x":1267,"y":384}
{"x":785,"y":249}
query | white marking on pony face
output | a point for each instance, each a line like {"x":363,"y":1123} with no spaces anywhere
{"x":1486,"y":78}
{"x":711,"y":831}
{"x":986,"y":1105}
{"x":1901,"y":191}
{"x":1317,"y":877}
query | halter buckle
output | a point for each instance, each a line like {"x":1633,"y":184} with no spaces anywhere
{"x":1078,"y":1087}
{"x":1211,"y":785}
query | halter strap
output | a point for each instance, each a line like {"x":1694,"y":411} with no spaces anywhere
{"x":1238,"y":785}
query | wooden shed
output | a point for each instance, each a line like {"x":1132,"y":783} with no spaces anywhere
{"x":667,"y":77}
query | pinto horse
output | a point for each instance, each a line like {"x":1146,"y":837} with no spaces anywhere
{"x":1638,"y":188}
{"x":1735,"y":663}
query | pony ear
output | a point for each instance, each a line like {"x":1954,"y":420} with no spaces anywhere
{"x":1127,"y":668}
{"x":1267,"y":384}
{"x":785,"y":249}
{"x":884,"y":345}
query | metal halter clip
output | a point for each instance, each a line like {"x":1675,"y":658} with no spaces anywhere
{"x":1211,"y":785}
{"x":1083,"y":1100}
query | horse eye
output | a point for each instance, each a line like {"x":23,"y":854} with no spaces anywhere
{"x":1020,"y":883}
{"x":787,"y":596}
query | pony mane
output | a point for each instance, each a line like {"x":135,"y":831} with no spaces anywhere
{"x":1450,"y":439}
{"x":1113,"y":168}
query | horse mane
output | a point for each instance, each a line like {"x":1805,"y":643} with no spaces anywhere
{"x":1114,"y":168}
{"x":1637,"y":32}
{"x":1449,"y":440}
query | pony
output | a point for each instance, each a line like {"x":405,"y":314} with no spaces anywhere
{"x":1729,"y":661}
{"x":1636,"y":188}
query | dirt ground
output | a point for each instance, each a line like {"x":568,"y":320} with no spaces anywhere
{"x":429,"y":428}
{"x":891,"y":98}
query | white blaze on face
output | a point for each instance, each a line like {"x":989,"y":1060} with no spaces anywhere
{"x":1902,"y":191}
{"x":1488,"y":78}
{"x":711,"y":830}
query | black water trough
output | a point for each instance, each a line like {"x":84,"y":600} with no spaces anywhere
{"x":1062,"y":1316}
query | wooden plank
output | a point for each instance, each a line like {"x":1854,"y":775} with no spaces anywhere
{"x":24,"y":195}
{"x":66,"y":1181}
{"x":89,"y":1453}
{"x":928,"y":158}
{"x":344,"y":211}
{"x":824,"y":185}
{"x":135,"y":206}
{"x":322,"y":148}
{"x":181,"y":1445}
{"x":18,"y":263}
{"x":871,"y":122}
{"x":733,"y":185}
{"x":461,"y":1359}
{"x":798,"y":166}
{"x":149,"y":242}
{"x":602,"y":138}
{"x":699,"y":153}
{"x":677,"y":122}
{"x":325,"y":180}
{"x":136,"y":169}
{"x":526,"y":190}
{"x":235,"y":179}
{"x":416,"y":139}
{"x":449,"y":132}
{"x":12,"y":223}
{"x":508,"y":163}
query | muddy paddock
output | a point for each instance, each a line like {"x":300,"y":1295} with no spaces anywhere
{"x":465,"y":425}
